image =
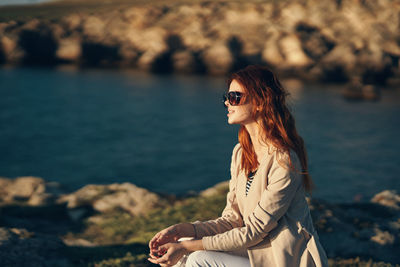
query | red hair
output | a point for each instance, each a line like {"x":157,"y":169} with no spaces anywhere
{"x":268,"y":97}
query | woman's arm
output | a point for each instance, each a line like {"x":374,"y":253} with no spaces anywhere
{"x":231,"y":216}
{"x":274,"y":202}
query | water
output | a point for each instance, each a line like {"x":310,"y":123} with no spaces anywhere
{"x":22,"y":2}
{"x":169,"y":133}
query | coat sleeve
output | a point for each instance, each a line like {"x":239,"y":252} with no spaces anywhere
{"x":275,"y":200}
{"x":231,"y":216}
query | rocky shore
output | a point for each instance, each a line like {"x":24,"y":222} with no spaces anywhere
{"x":110,"y":225}
{"x":327,"y":41}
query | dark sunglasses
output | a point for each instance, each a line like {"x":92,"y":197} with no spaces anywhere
{"x":233,"y":98}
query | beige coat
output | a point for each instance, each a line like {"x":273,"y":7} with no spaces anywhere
{"x":272,"y":222}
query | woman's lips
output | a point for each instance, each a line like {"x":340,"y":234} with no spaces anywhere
{"x":229,"y":112}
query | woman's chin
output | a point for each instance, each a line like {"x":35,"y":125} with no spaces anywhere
{"x":230,"y":121}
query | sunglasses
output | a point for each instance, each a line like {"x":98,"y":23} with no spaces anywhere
{"x":233,"y":98}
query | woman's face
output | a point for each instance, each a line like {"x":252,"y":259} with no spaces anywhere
{"x":240,"y":114}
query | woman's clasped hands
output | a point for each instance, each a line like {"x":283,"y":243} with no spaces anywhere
{"x":165,"y":249}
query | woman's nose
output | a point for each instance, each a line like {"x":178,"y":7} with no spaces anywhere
{"x":226,"y":103}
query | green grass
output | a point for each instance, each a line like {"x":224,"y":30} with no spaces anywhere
{"x":119,"y":227}
{"x":124,"y":239}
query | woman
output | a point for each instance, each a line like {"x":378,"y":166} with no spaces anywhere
{"x":266,"y":221}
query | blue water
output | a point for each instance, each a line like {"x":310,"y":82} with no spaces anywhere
{"x":169,"y":133}
{"x":22,"y":2}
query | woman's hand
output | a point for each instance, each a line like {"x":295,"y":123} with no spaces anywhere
{"x":170,"y":235}
{"x":172,"y":253}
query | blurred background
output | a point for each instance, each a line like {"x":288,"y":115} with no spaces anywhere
{"x":112,"y":122}
{"x":126,"y":91}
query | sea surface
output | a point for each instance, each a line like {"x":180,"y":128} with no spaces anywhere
{"x":22,"y":2}
{"x":169,"y":133}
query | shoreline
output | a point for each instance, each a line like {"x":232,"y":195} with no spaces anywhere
{"x":121,"y":218}
{"x":212,"y":38}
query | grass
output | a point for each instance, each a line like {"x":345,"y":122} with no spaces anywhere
{"x":119,"y":227}
{"x":123,"y":238}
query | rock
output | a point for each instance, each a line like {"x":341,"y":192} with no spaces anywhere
{"x":10,"y":48}
{"x":355,"y":90}
{"x":271,"y":52}
{"x":216,"y":189}
{"x":388,"y":198}
{"x":314,"y":43}
{"x":142,"y":17}
{"x":72,"y":22}
{"x":29,"y":190}
{"x":57,"y":30}
{"x":194,"y":37}
{"x":128,"y":54}
{"x":93,"y":28}
{"x":184,"y":62}
{"x":104,"y":198}
{"x":7,"y":44}
{"x":218,"y":59}
{"x":19,"y":247}
{"x":69,"y":49}
{"x":290,"y":48}
{"x":32,"y":24}
{"x":291,"y":14}
{"x":383,"y":237}
{"x":391,"y":47}
{"x":338,"y":64}
{"x":150,"y":44}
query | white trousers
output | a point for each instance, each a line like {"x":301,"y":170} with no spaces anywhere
{"x":203,"y":258}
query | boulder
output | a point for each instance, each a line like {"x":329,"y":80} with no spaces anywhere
{"x":72,"y":22}
{"x":93,"y":28}
{"x":10,"y":49}
{"x":271,"y":53}
{"x":338,"y":64}
{"x":104,"y":198}
{"x":69,"y":49}
{"x":356,"y":90}
{"x":291,"y":14}
{"x":194,"y":37}
{"x":388,"y":198}
{"x":27,"y":190}
{"x":291,"y":49}
{"x":313,"y":41}
{"x":217,"y":59}
{"x":184,"y":62}
{"x":216,"y":189}
{"x":150,"y":44}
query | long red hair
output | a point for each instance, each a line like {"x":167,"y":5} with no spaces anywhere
{"x":268,"y":97}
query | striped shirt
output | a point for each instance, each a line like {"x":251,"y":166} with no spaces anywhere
{"x":250,"y":178}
